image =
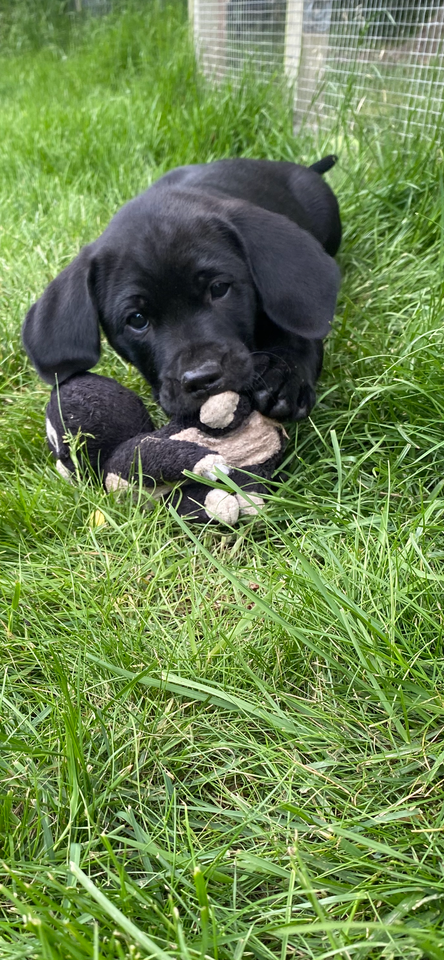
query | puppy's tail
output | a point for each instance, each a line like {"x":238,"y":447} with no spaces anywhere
{"x":321,"y":166}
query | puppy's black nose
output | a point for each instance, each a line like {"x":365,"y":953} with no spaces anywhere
{"x":201,"y":378}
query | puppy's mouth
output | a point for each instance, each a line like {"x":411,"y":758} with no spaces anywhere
{"x":185,"y":388}
{"x":177,"y":402}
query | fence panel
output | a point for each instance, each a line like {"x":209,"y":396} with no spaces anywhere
{"x":383,"y":58}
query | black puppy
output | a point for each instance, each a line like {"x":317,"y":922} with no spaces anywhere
{"x":219,"y":277}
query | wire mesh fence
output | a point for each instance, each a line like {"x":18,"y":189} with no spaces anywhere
{"x":380,"y":58}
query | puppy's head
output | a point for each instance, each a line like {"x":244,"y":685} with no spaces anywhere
{"x":177,"y":282}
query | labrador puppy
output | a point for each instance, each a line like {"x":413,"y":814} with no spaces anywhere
{"x":219,"y":277}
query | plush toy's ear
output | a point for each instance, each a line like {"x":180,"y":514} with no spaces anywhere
{"x":61,"y":331}
{"x":296,"y":279}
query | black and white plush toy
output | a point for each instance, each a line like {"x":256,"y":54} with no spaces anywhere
{"x":118,"y":442}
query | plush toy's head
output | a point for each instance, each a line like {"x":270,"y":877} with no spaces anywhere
{"x":98,"y":409}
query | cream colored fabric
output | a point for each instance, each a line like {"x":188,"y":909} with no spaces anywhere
{"x":51,"y":433}
{"x":254,"y":442}
{"x":115,"y":483}
{"x":206,"y":466}
{"x":218,"y":411}
{"x":221,"y":506}
{"x":63,"y":471}
{"x":250,"y":504}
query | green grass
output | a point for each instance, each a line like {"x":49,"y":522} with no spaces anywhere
{"x":222,"y":744}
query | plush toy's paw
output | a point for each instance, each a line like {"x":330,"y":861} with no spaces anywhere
{"x":221,"y":506}
{"x":53,"y":436}
{"x":114,"y":483}
{"x":206,"y":466}
{"x":65,"y":471}
{"x":249,"y":505}
{"x":59,"y":450}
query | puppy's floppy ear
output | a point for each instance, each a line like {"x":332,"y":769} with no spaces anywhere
{"x":61,"y":331}
{"x":296,"y":279}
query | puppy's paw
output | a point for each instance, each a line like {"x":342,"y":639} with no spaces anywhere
{"x":206,"y":467}
{"x":280,"y":393}
{"x":293,"y":406}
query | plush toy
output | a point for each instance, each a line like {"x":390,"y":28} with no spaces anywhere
{"x":117,"y":441}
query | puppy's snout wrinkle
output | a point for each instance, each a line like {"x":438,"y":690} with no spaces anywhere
{"x":203,"y":377}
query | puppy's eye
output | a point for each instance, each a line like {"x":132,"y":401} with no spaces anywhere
{"x":219,"y":290}
{"x":137,"y":321}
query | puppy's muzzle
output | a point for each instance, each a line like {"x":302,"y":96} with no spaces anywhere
{"x":205,"y":377}
{"x":202,"y":370}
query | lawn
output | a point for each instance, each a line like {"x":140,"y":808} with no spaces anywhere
{"x":217,"y":743}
